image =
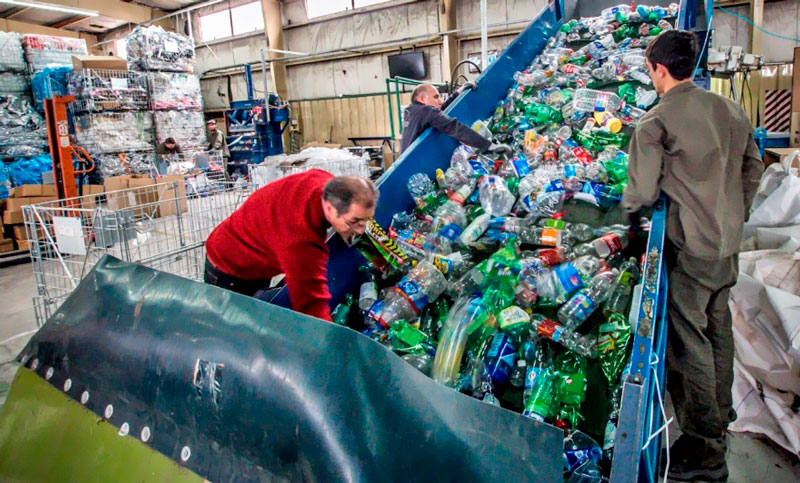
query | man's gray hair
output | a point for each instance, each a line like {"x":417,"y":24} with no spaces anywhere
{"x":343,"y":191}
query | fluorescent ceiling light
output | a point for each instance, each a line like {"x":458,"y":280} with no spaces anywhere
{"x":52,"y":7}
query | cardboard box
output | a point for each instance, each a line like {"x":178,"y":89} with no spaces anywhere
{"x":145,"y":195}
{"x":12,"y":217}
{"x":6,"y":246}
{"x":116,"y":201}
{"x":170,"y":188}
{"x":19,"y":232}
{"x":16,"y":204}
{"x":80,"y":62}
{"x":26,"y":190}
{"x":776,"y":155}
{"x":23,"y":245}
{"x":49,"y":190}
{"x":93,"y":189}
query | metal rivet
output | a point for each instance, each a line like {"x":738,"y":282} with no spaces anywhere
{"x":109,"y":411}
{"x":124,"y":429}
{"x":186,"y":453}
{"x":145,"y":435}
{"x":34,"y":364}
{"x":48,"y":374}
{"x":67,"y":385}
{"x":85,"y":397}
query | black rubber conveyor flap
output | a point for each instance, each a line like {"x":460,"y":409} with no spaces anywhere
{"x":258,"y":392}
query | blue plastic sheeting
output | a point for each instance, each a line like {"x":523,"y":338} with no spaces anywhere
{"x":5,"y":183}
{"x":49,"y":82}
{"x":29,"y":170}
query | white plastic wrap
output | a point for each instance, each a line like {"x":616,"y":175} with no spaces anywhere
{"x":186,"y":127}
{"x":174,"y":90}
{"x":153,"y":48}
{"x":339,"y":162}
{"x":114,"y":132}
{"x":11,"y":54}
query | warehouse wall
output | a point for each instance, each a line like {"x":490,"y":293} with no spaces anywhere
{"x":779,"y":17}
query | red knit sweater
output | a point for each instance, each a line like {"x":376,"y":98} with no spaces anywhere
{"x":280,"y":229}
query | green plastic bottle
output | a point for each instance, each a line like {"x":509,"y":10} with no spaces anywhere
{"x":341,"y":313}
{"x":572,"y":370}
{"x":544,"y":401}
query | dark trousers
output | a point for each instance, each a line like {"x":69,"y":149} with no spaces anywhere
{"x":252,"y":288}
{"x":700,"y":348}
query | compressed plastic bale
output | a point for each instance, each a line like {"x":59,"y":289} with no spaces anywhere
{"x":169,"y":91}
{"x":153,"y":48}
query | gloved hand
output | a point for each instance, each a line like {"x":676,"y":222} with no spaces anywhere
{"x":635,"y":222}
{"x":500,"y":149}
{"x":469,"y":85}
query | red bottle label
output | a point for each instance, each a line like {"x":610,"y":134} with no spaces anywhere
{"x":613,"y":242}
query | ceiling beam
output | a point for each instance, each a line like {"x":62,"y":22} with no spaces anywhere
{"x":68,"y":21}
{"x":17,"y":11}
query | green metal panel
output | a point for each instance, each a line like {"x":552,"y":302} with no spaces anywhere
{"x":46,"y":436}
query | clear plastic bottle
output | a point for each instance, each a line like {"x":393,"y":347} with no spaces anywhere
{"x":639,"y":75}
{"x":592,"y":100}
{"x":467,"y":315}
{"x":368,"y":293}
{"x":421,"y":361}
{"x":567,"y":278}
{"x":407,"y":299}
{"x":623,"y":291}
{"x":543,"y":236}
{"x":585,"y":302}
{"x":495,"y":197}
{"x":420,"y":187}
{"x":536,"y":78}
{"x":551,"y":330}
{"x":610,"y":13}
{"x":645,"y":98}
{"x":475,"y":229}
{"x":450,"y":218}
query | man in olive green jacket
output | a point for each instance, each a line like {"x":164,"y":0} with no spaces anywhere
{"x":697,"y":147}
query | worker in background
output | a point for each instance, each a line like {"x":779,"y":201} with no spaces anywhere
{"x":169,"y":146}
{"x":698,"y":148}
{"x":281,"y":229}
{"x":426,"y":111}
{"x":217,"y":142}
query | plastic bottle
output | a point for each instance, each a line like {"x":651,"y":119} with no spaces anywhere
{"x":567,"y":278}
{"x":368,"y":293}
{"x":543,"y":402}
{"x":420,"y":187}
{"x":580,"y":450}
{"x":467,"y":315}
{"x":450,"y":219}
{"x":469,"y":282}
{"x":593,"y":100}
{"x":527,"y":289}
{"x":501,"y":359}
{"x":475,"y":229}
{"x":536,"y":78}
{"x":609,"y":14}
{"x":515,"y":323}
{"x":645,"y":98}
{"x":517,"y":378}
{"x":407,"y":299}
{"x":421,"y":361}
{"x":585,"y":302}
{"x":623,"y":290}
{"x":542,"y":114}
{"x":611,"y":242}
{"x":551,"y":330}
{"x":495,"y":197}
{"x":640,"y":76}
{"x":481,"y":128}
{"x":545,"y":204}
{"x":551,"y":237}
{"x":541,"y":361}
{"x":605,"y":120}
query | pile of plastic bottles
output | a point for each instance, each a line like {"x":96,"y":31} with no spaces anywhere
{"x":490,"y":284}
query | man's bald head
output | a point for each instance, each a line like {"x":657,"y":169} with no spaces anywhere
{"x":428,"y":95}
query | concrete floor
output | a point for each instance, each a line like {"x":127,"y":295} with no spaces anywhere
{"x":750,"y":457}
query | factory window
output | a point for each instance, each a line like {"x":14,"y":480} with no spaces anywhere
{"x":319,"y":8}
{"x":247,"y":18}
{"x":216,"y":25}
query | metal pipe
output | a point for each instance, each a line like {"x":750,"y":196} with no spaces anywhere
{"x":484,"y":36}
{"x":267,"y":114}
{"x":279,"y":51}
{"x":399,"y":106}
{"x":389,"y":99}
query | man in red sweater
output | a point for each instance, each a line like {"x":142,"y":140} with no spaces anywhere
{"x":281,"y":228}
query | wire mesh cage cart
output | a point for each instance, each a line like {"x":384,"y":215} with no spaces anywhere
{"x":163,"y":226}
{"x":101,"y":90}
